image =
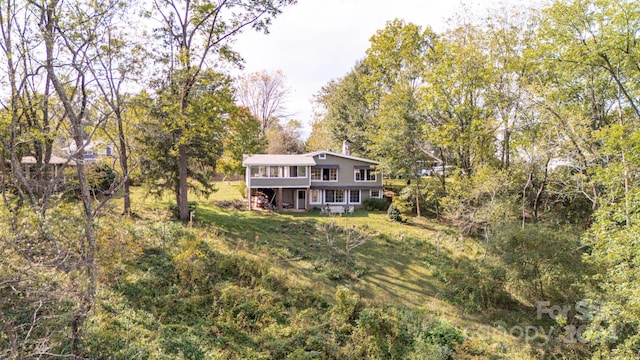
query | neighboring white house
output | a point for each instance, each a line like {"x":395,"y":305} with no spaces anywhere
{"x":92,"y":150}
{"x":305,"y":181}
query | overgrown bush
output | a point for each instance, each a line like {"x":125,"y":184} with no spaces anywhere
{"x":43,"y":281}
{"x":481,"y":202}
{"x":374,"y":204}
{"x":543,"y":262}
{"x":101,"y":177}
{"x":476,"y":287}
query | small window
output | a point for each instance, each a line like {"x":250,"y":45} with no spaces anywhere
{"x":275,"y":171}
{"x":354,"y":196}
{"x":365,"y":175}
{"x":330,"y":174}
{"x":376,"y":194}
{"x":334,"y":196}
{"x":316,"y":196}
{"x":322,"y":156}
{"x":316,"y":174}
{"x":324,"y":174}
{"x":298,"y":171}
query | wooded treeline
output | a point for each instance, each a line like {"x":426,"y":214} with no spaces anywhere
{"x":532,"y":113}
{"x":534,"y":116}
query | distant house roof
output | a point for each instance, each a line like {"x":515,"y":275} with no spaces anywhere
{"x":273,"y":160}
{"x":88,"y":146}
{"x":54,"y":160}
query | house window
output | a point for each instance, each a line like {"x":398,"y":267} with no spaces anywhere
{"x":275,"y":171}
{"x":354,"y":196}
{"x":322,"y":156}
{"x":334,"y":196}
{"x":297,"y":171}
{"x":324,"y":174}
{"x":316,"y":174}
{"x":330,"y":174}
{"x":365,"y":174}
{"x":316,"y":197}
{"x":375,"y":194}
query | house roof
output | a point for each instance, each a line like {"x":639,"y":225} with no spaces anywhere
{"x":343,"y":156}
{"x":270,"y":159}
{"x":294,"y":160}
{"x":54,"y":160}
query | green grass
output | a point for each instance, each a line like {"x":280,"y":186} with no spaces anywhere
{"x":420,"y":264}
{"x":399,"y":261}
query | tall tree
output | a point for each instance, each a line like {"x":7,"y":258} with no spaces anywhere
{"x":321,"y":137}
{"x":69,"y":32}
{"x":509,"y":38}
{"x":395,"y":61}
{"x":197,"y":31}
{"x":210,"y":107}
{"x":264,"y":95}
{"x":456,"y":98}
{"x":243,"y":136}
{"x":119,"y":63}
{"x":285,"y":138}
{"x":32,"y":120}
{"x":347,"y":113}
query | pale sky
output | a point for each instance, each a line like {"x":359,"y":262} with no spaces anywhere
{"x":316,"y":41}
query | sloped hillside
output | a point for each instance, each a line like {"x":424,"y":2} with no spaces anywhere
{"x":239,"y":284}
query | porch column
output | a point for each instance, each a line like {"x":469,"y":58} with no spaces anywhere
{"x":308,"y":200}
{"x":280,"y":198}
{"x":247,"y":176}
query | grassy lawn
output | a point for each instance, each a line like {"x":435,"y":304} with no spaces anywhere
{"x":398,"y":265}
{"x":420,"y":264}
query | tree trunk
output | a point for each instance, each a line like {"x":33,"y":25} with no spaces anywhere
{"x":418,"y":213}
{"x":88,"y":244}
{"x":524,"y":198}
{"x":443,"y":179}
{"x":506,"y":148}
{"x":543,"y":185}
{"x":75,"y":111}
{"x":125,"y":166}
{"x":183,"y":204}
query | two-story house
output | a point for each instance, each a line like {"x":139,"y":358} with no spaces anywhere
{"x":306,"y":181}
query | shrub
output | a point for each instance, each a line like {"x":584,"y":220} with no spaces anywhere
{"x":175,"y":210}
{"x":393,"y":214}
{"x":347,"y":307}
{"x":443,"y":333}
{"x":374,"y":204}
{"x":101,"y":178}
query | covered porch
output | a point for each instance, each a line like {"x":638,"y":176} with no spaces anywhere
{"x":288,"y":199}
